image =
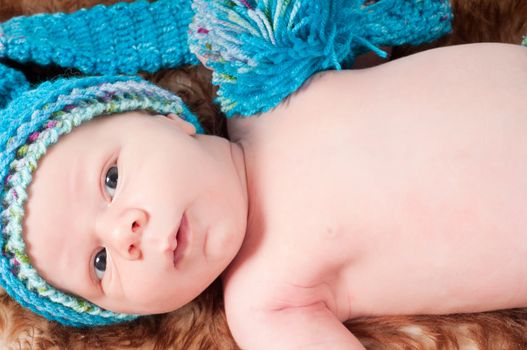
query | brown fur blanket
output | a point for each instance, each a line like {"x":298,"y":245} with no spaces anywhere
{"x":202,"y":324}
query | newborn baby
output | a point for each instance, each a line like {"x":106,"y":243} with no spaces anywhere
{"x":397,"y":189}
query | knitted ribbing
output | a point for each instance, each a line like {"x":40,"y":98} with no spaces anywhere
{"x":262,"y":51}
{"x":124,"y":38}
{"x":28,"y":126}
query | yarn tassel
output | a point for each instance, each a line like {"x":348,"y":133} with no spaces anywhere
{"x":262,"y":51}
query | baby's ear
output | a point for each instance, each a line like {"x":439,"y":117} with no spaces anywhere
{"x":203,"y":61}
{"x":187,"y":127}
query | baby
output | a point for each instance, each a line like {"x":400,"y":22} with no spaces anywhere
{"x":409,"y":206}
{"x":417,"y":210}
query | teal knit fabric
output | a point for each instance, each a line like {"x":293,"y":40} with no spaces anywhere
{"x":262,"y":51}
{"x":12,"y":84}
{"x":32,"y":122}
{"x":124,"y":38}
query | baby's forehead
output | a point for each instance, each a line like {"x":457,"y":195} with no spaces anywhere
{"x":55,"y":208}
{"x":117,"y":118}
{"x":110,"y":124}
{"x":89,"y":139}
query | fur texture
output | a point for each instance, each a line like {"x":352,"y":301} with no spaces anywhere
{"x":202,"y":324}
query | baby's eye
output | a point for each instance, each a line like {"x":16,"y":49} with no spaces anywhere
{"x":110,"y":182}
{"x":99,"y":262}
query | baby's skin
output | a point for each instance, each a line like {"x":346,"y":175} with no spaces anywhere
{"x":398,"y":189}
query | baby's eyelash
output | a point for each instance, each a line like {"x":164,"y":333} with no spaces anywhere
{"x":95,"y":280}
{"x":100,"y":263}
{"x":110,"y":164}
{"x":111,"y":180}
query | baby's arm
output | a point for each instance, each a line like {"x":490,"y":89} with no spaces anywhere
{"x":308,"y":327}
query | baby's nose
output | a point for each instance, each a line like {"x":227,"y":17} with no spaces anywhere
{"x":126,"y":232}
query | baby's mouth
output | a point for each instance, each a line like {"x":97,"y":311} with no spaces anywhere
{"x":182,"y":240}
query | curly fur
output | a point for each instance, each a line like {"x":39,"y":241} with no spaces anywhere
{"x":202,"y":323}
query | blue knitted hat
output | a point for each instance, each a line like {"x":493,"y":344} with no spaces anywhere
{"x":31,"y":123}
{"x":269,"y":49}
{"x":262,"y":51}
{"x":124,"y":38}
{"x":28,"y":126}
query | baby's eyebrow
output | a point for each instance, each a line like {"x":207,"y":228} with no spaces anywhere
{"x":75,"y":179}
{"x":81,"y":263}
{"x":84,"y":177}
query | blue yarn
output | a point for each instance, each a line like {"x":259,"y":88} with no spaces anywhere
{"x":260,"y":55}
{"x":262,"y":51}
{"x":27,"y":114}
{"x":48,"y":309}
{"x":12,"y":84}
{"x":124,"y":38}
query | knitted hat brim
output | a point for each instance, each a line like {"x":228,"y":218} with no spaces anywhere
{"x":31,"y":123}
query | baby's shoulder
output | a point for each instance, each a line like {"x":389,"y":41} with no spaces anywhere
{"x":248,"y":283}
{"x":260,"y":301}
{"x":252,"y":298}
{"x":271,"y":282}
{"x":247,"y":293}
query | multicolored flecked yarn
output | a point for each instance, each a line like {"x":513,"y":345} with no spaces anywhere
{"x":262,"y":51}
{"x":28,"y":126}
{"x":124,"y":38}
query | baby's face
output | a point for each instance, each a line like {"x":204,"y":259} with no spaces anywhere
{"x":136,"y":213}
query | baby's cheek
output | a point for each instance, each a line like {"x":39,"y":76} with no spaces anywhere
{"x":146,"y":293}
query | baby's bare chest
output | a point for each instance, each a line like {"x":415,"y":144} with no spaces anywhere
{"x":358,"y":235}
{"x":393,"y":210}
{"x":372,"y":234}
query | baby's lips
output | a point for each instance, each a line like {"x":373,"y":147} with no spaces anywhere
{"x":181,"y":240}
{"x":172,"y":241}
